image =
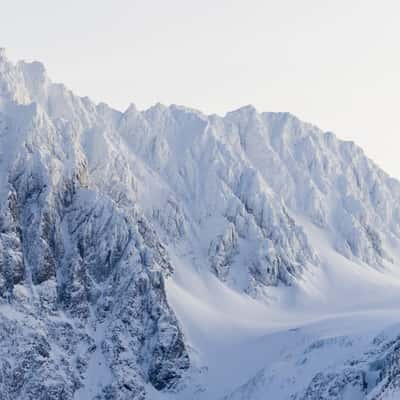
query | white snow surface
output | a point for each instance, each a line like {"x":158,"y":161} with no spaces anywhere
{"x":284,"y":240}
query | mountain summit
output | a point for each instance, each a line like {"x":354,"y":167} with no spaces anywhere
{"x":167,"y":254}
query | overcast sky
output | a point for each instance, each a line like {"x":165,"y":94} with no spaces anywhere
{"x":333,"y":63}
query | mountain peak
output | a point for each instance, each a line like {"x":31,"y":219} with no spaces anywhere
{"x":131,"y":109}
{"x":34,"y":72}
{"x":121,"y":233}
{"x":247,"y":109}
{"x":3,"y":53}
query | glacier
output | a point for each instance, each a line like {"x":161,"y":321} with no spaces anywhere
{"x":167,"y":254}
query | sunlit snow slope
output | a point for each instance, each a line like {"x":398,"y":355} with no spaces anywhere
{"x":167,"y":254}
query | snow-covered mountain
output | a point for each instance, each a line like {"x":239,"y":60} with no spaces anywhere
{"x":167,"y":254}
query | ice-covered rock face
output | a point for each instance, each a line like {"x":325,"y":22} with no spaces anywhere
{"x":94,"y":200}
{"x":372,"y":373}
{"x":83,"y":274}
{"x":212,"y":197}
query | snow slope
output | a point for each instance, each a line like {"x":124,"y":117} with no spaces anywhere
{"x":168,"y":254}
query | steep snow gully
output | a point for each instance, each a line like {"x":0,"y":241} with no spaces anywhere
{"x":170,"y":255}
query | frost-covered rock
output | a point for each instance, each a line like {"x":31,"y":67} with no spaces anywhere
{"x":98,"y":207}
{"x":332,"y":368}
{"x":81,"y":273}
{"x":376,"y":375}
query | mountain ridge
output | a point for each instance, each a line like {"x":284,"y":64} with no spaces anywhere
{"x":139,"y":245}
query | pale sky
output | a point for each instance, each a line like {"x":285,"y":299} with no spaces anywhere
{"x":334,"y":63}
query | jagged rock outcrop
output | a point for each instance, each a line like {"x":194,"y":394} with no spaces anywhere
{"x":372,"y":374}
{"x":83,"y":274}
{"x":375,"y":376}
{"x":96,"y":203}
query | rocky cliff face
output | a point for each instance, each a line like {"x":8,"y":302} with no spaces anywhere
{"x":95,"y":201}
{"x":82,"y":273}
